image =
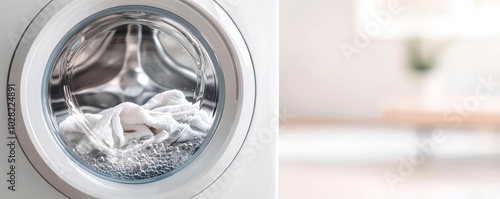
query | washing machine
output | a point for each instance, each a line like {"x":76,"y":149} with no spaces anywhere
{"x":139,"y":99}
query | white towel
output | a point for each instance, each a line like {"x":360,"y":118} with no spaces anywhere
{"x":120,"y":127}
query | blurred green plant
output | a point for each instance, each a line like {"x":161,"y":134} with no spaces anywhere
{"x":418,"y":62}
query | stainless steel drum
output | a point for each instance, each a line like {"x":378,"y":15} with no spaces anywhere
{"x":120,"y":57}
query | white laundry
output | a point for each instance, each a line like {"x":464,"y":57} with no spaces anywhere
{"x":154,"y":122}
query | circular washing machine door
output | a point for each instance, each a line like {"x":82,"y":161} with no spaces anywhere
{"x":131,"y":98}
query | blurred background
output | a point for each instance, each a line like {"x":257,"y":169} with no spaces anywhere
{"x":389,"y":99}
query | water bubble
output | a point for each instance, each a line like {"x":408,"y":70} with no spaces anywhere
{"x":142,"y":161}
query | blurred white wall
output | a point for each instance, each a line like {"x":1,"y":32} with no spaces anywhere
{"x":316,"y":81}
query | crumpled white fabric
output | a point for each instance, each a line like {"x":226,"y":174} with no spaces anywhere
{"x":154,"y":122}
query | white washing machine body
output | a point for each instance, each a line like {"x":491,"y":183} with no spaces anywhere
{"x":238,"y":161}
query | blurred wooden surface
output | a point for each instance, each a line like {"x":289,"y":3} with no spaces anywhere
{"x":450,"y":112}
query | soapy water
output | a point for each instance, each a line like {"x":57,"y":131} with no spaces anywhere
{"x":147,"y":162}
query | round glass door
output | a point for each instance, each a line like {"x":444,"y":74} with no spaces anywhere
{"x":133,"y":94}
